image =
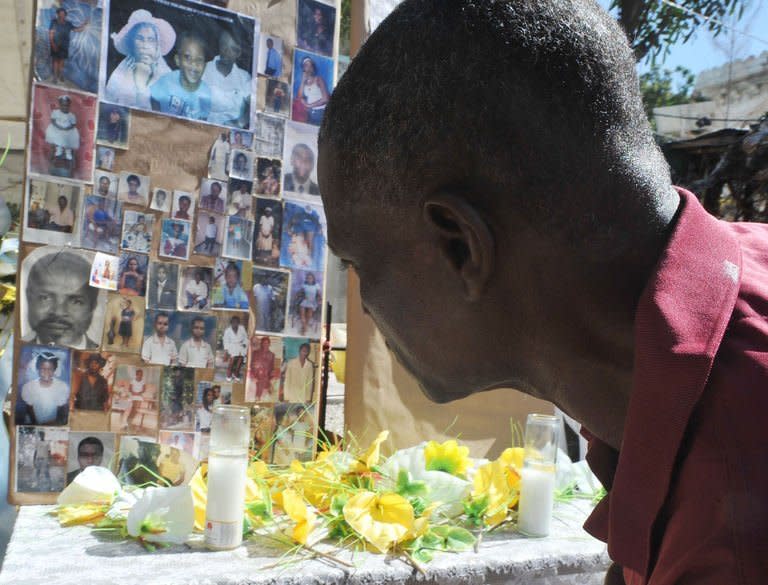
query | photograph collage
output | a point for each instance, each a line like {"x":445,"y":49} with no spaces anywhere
{"x":145,"y":301}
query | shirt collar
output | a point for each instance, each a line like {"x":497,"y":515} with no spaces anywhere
{"x":680,"y":321}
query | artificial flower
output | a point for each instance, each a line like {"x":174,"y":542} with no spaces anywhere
{"x":198,"y":486}
{"x":373,"y":454}
{"x":93,"y":485}
{"x":383,"y":520}
{"x":80,"y":514}
{"x":449,"y":457}
{"x":162,"y":515}
{"x":293,"y":505}
{"x":492,"y":486}
{"x":123,"y":503}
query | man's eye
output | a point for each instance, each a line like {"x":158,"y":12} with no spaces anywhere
{"x":77,"y":300}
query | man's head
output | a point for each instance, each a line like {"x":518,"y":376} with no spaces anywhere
{"x":162,"y":273}
{"x":60,"y":301}
{"x":198,"y":276}
{"x":198,"y":328}
{"x":160,"y":197}
{"x":270,"y":43}
{"x":235,"y":322}
{"x":500,"y":202}
{"x":184,"y":203}
{"x":90,"y":451}
{"x":94,"y":363}
{"x":133,"y":184}
{"x":104,"y":184}
{"x":230,"y":48}
{"x":114,"y":115}
{"x":304,"y":351}
{"x":162,"y":321}
{"x":240,"y":161}
{"x":190,"y":59}
{"x":61,"y":15}
{"x":62,"y":202}
{"x":215,"y":189}
{"x":303,"y":162}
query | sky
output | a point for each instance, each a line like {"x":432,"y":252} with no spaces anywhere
{"x":702,"y":52}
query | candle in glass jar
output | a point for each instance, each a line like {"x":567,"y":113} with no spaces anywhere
{"x":537,"y":483}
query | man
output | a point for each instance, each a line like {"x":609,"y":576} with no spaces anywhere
{"x":218,"y":163}
{"x":547,"y":222}
{"x":213,"y":201}
{"x":303,"y":162}
{"x":46,"y":397}
{"x":41,"y":458}
{"x":105,"y":185}
{"x":299,"y":377}
{"x":240,"y":202}
{"x":196,"y":292}
{"x":274,"y":63}
{"x":162,"y":288}
{"x":184,"y":204}
{"x":92,"y":393}
{"x":158,"y":348}
{"x":61,"y":217}
{"x":235,"y":342}
{"x":90,"y":451}
{"x":196,"y":352}
{"x":230,"y":85}
{"x":132,"y":195}
{"x":183,"y":92}
{"x":60,"y":303}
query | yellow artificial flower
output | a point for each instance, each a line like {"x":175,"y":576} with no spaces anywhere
{"x":373,"y":454}
{"x":258,"y":469}
{"x":512,"y":459}
{"x":448,"y":457}
{"x":491,"y":482}
{"x":80,"y":514}
{"x":293,"y":505}
{"x":199,"y":486}
{"x":381,"y":519}
{"x":318,"y":481}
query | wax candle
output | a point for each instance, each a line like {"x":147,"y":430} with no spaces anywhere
{"x":227,"y":465}
{"x":537,"y":484}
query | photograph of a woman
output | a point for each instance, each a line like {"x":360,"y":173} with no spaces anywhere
{"x":312,"y":83}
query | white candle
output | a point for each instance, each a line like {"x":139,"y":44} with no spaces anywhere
{"x":537,"y":495}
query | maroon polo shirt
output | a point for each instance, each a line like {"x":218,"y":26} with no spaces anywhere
{"x":688,"y":492}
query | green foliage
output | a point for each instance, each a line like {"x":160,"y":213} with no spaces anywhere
{"x":653,"y":27}
{"x":665,"y":87}
{"x":441,"y":538}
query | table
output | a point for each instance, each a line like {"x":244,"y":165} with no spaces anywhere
{"x":40,"y":552}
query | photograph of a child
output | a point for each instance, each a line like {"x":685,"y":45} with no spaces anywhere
{"x":195,"y":284}
{"x":124,"y":324}
{"x":43,"y":386}
{"x":105,"y":159}
{"x":137,"y":231}
{"x":161,"y":200}
{"x":132,"y":274}
{"x":294,"y":434}
{"x":114,"y":125}
{"x":51,"y":212}
{"x":238,"y":238}
{"x":239,"y":197}
{"x":209,"y":234}
{"x":174,"y":239}
{"x":104,"y":271}
{"x":315,"y":26}
{"x":303,"y":239}
{"x":105,"y":184}
{"x":268,"y":135}
{"x":229,"y":285}
{"x":231,"y":347}
{"x":306,"y":304}
{"x":177,"y":398}
{"x":269,"y":174}
{"x":182,"y":59}
{"x":218,"y":158}
{"x":269,"y":228}
{"x":270,"y":56}
{"x":312,"y":87}
{"x":100,"y":227}
{"x":213,"y":195}
{"x":62,"y":133}
{"x":86,"y":449}
{"x":68,"y":44}
{"x":134,"y":398}
{"x":270,"y":294}
{"x":133,"y":188}
{"x":41,"y":456}
{"x":264,"y":364}
{"x":183,"y":205}
{"x":198,"y":337}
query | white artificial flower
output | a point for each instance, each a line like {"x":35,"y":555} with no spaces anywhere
{"x":94,"y":484}
{"x":163,"y":514}
{"x":123,"y":503}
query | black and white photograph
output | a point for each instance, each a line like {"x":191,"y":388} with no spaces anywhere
{"x":137,"y":231}
{"x":270,"y":296}
{"x":134,"y":399}
{"x":305,"y":304}
{"x":274,"y":97}
{"x":315,"y":27}
{"x":133,"y":188}
{"x":268,"y":178}
{"x":183,"y":205}
{"x":86,"y":449}
{"x":161,"y":200}
{"x":195,"y":284}
{"x":218,"y":158}
{"x":68,"y":44}
{"x":114,"y":125}
{"x":198,"y":337}
{"x":163,"y":283}
{"x":209,"y":234}
{"x":43,"y":385}
{"x":312,"y":87}
{"x":303,"y":243}
{"x":268,"y":135}
{"x":58,"y":305}
{"x":105,"y":158}
{"x":51,"y":212}
{"x":269,"y":228}
{"x":105,"y":184}
{"x":239,"y":199}
{"x":270,"y":56}
{"x":101,"y":224}
{"x":213,"y":195}
{"x":180,"y":58}
{"x":238,"y":238}
{"x":132,"y":274}
{"x":124,"y":324}
{"x":41,"y":459}
{"x":174,"y":239}
{"x":242,"y":164}
{"x":300,"y":161}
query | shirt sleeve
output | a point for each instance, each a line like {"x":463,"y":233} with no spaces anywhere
{"x":146,"y":350}
{"x":183,"y":355}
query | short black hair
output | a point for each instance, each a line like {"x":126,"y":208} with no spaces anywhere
{"x":232,"y":266}
{"x":535,"y":99}
{"x":91,"y":441}
{"x":62,"y":261}
{"x":47,"y":357}
{"x":195,"y":320}
{"x":185,"y":198}
{"x":162,"y":314}
{"x":190,"y":35}
{"x":134,"y":178}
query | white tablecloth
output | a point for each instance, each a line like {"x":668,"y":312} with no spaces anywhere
{"x":40,"y":552}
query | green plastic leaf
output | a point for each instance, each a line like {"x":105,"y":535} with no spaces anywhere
{"x":454,"y":538}
{"x":406,"y":487}
{"x":423,"y":555}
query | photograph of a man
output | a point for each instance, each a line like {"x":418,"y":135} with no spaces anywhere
{"x":299,"y":180}
{"x":58,"y":305}
{"x":90,"y":451}
{"x":230,"y":85}
{"x":161,"y":292}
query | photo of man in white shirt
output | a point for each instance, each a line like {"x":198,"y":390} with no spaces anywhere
{"x":196,"y":352}
{"x":158,"y":348}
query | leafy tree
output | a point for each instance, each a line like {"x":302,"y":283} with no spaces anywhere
{"x":666,"y":87}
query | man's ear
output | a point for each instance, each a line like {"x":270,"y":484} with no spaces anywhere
{"x":464,"y":237}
